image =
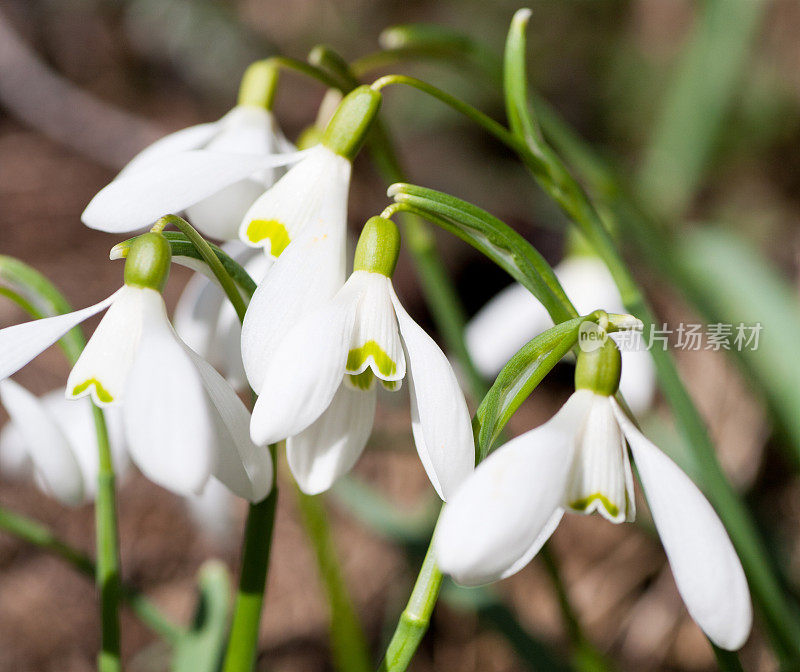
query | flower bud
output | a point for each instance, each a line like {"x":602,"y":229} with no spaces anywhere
{"x":148,"y":261}
{"x":599,"y":369}
{"x":378,"y":247}
{"x":351,"y":122}
{"x":259,"y":83}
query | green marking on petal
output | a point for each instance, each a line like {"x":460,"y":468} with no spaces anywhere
{"x":392,"y":385}
{"x":363,"y":380}
{"x":357,"y":356}
{"x":262,"y":229}
{"x":100,"y":391}
{"x":585,"y":502}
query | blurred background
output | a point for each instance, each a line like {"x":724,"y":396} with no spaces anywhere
{"x":85,"y":84}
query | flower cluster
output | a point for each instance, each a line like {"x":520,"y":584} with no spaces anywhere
{"x":316,"y":344}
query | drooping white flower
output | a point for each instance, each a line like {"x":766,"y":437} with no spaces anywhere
{"x":302,"y":220}
{"x":514,"y":316}
{"x":213,"y":171}
{"x":577,"y":461}
{"x":317,"y":382}
{"x":47,"y":437}
{"x":206,"y":321}
{"x":183,"y":421}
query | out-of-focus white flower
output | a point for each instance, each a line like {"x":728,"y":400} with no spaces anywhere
{"x":577,"y":461}
{"x":206,"y":321}
{"x":214,"y":172}
{"x":183,"y":421}
{"x":317,"y":383}
{"x":53,"y":441}
{"x":514,"y":316}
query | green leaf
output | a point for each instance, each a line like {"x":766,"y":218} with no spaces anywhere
{"x":202,"y":647}
{"x":495,"y":239}
{"x":181,"y":246}
{"x":519,"y":377}
{"x":515,"y":80}
{"x":733,"y":283}
{"x":348,"y":642}
{"x":39,"y":297}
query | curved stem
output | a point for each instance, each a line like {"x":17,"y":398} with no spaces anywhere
{"x":243,"y":641}
{"x":225,"y":280}
{"x":33,"y":532}
{"x":415,"y":618}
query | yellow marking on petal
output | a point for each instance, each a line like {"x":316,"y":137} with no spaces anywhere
{"x":363,"y":380}
{"x":585,"y":502}
{"x":262,"y":229}
{"x":100,"y":391}
{"x":357,"y":356}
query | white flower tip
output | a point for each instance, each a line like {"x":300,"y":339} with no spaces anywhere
{"x":522,"y":15}
{"x":626,"y":322}
{"x":391,"y":38}
{"x":119,"y":251}
{"x":395,"y":189}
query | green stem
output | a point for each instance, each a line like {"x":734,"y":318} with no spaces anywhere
{"x":38,"y":535}
{"x":556,"y":180}
{"x":225,"y":280}
{"x":108,"y":576}
{"x":43,"y":292}
{"x":348,"y":643}
{"x":415,"y":618}
{"x":243,"y":641}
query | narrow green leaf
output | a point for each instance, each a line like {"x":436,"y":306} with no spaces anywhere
{"x":697,"y":102}
{"x":519,"y":377}
{"x":181,"y":246}
{"x":348,"y":642}
{"x":515,"y":79}
{"x":733,"y":283}
{"x":202,"y":647}
{"x":495,"y":239}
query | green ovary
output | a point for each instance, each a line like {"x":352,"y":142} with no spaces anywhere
{"x":585,"y":502}
{"x":100,"y":391}
{"x":272,"y":229}
{"x":357,"y":356}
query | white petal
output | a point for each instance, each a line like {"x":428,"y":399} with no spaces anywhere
{"x":240,"y":465}
{"x":600,"y":478}
{"x":49,"y":449}
{"x":103,"y":367}
{"x":139,"y":198}
{"x":330,"y":447}
{"x":439,"y":416}
{"x":305,"y":371}
{"x":20,"y":343}
{"x":15,"y":461}
{"x":638,"y":380}
{"x":169,"y":420}
{"x":589,"y":284}
{"x":219,"y":215}
{"x":707,"y":571}
{"x":75,"y":418}
{"x":312,"y":193}
{"x":197,"y":312}
{"x":214,"y":512}
{"x":536,"y":546}
{"x":306,"y":275}
{"x":503,"y":326}
{"x":376,"y":340}
{"x":501,"y":511}
{"x":184,"y":140}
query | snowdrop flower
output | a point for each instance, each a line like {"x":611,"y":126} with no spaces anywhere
{"x":514,"y":316}
{"x":214,"y":171}
{"x":206,"y":321}
{"x":318,"y":389}
{"x":302,"y":220}
{"x":183,"y":422}
{"x":53,"y":441}
{"x":577,"y":461}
